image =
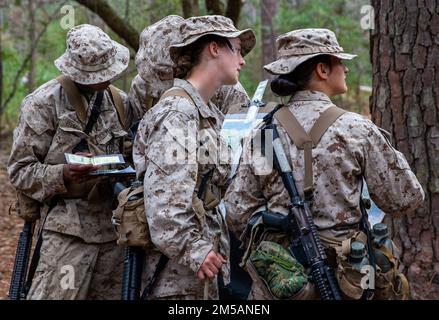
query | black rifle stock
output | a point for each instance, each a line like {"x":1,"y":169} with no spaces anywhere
{"x":132,"y":273}
{"x":306,"y":245}
{"x":17,"y":290}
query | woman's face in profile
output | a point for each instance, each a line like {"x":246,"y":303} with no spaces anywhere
{"x":231,"y":61}
{"x":337,"y":77}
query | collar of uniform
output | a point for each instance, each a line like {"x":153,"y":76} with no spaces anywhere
{"x":190,"y":89}
{"x":310,"y":95}
{"x":87,"y":92}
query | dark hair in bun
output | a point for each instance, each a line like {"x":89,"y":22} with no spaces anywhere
{"x":288,"y":84}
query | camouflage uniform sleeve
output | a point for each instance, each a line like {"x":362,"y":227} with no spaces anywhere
{"x":244,"y":196}
{"x":137,"y":96}
{"x":32,"y":139}
{"x":130,"y":113}
{"x":392,"y":184}
{"x":169,"y":183}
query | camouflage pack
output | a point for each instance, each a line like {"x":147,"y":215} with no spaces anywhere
{"x":283,"y":276}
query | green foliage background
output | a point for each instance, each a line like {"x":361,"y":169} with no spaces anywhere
{"x":341,"y":16}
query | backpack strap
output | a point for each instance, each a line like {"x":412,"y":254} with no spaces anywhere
{"x":202,"y":181}
{"x":78,"y":101}
{"x":74,"y":96}
{"x":177,"y":92}
{"x":306,"y":141}
{"x":118,"y":103}
{"x":326,"y":119}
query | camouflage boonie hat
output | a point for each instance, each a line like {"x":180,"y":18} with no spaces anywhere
{"x":153,"y":62}
{"x":196,"y":27}
{"x":91,"y":56}
{"x":298,"y":46}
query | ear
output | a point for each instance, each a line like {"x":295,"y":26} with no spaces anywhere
{"x":322,"y":71}
{"x":212,"y":47}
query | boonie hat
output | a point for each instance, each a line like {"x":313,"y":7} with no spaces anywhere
{"x":91,"y":57}
{"x":298,"y":46}
{"x":196,"y":27}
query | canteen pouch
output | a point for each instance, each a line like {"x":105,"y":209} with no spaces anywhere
{"x":129,"y":219}
{"x":353,"y":282}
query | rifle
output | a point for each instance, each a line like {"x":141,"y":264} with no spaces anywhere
{"x":305,"y":245}
{"x":17,"y":289}
{"x":132,"y":263}
{"x":132,"y":273}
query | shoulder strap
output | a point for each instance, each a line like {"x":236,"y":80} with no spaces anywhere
{"x":180,"y":92}
{"x":149,"y":102}
{"x":306,"y":141}
{"x":326,"y":119}
{"x":177,"y":92}
{"x":118,"y":103}
{"x":74,"y":96}
{"x":77,"y":100}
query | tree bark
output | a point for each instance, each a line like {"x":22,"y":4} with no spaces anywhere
{"x":214,"y":7}
{"x":405,"y":101}
{"x":112,"y":19}
{"x":268,"y":11}
{"x":32,"y":36}
{"x":190,"y":8}
{"x":233,"y":10}
{"x":1,"y":69}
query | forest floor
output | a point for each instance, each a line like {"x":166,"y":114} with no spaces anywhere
{"x":11,"y":226}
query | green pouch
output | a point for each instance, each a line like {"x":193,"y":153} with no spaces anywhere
{"x":283,"y":274}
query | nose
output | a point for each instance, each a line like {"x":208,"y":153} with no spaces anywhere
{"x":346,"y":69}
{"x":241,"y":61}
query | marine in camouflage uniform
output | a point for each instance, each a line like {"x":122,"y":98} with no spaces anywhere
{"x":78,"y":235}
{"x":154,"y":67}
{"x":353,"y":147}
{"x":166,"y":153}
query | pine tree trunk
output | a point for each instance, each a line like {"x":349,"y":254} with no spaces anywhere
{"x":268,"y":11}
{"x":214,"y":7}
{"x":405,"y":101}
{"x":190,"y":8}
{"x":233,"y":10}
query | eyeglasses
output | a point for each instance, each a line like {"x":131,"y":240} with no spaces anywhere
{"x":232,"y":48}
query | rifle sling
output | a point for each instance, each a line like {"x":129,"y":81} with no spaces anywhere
{"x":36,"y":254}
{"x":95,"y":112}
{"x":160,"y":266}
{"x":306,"y":141}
